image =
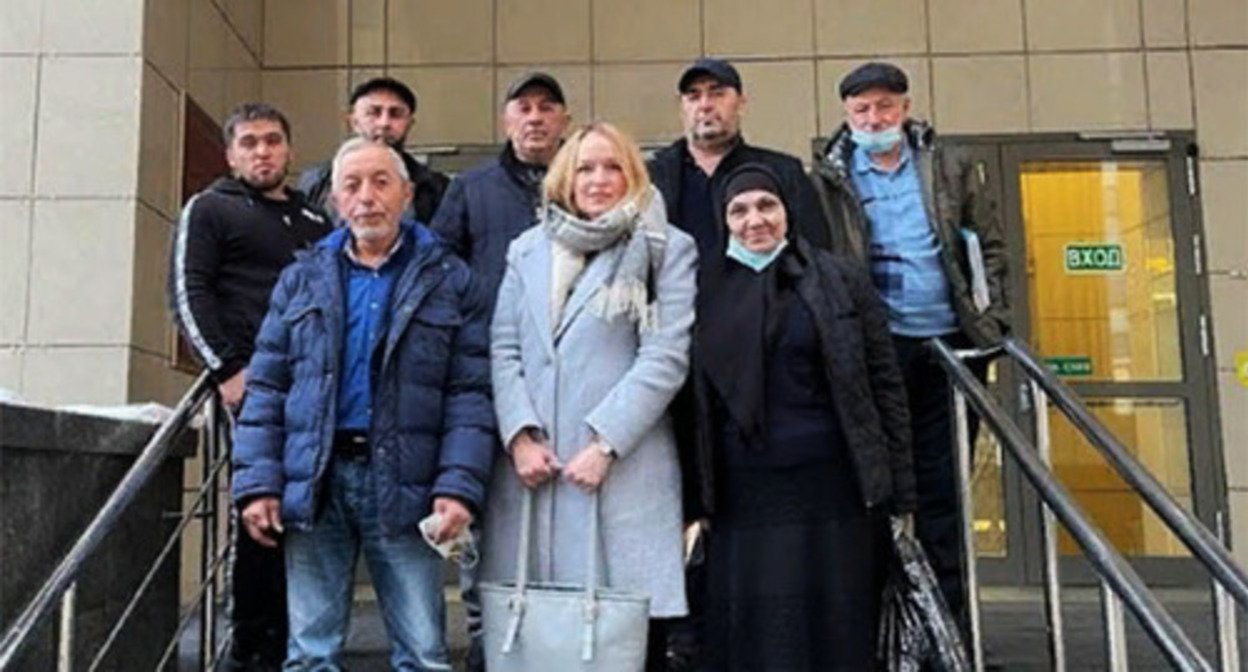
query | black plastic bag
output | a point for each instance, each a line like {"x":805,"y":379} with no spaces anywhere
{"x":917,"y":631}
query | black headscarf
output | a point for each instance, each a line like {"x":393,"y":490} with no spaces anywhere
{"x":740,"y":315}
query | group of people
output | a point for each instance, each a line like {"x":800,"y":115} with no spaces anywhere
{"x":712,"y":343}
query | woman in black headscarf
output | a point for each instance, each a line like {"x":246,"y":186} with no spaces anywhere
{"x":803,"y":446}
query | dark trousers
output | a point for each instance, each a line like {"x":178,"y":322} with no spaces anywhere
{"x":938,"y":521}
{"x":258,"y":604}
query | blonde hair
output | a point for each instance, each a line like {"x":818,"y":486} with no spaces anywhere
{"x":560,"y":183}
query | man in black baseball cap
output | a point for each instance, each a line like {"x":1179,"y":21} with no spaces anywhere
{"x":919,"y":216}
{"x":382,"y":109}
{"x":689,"y":171}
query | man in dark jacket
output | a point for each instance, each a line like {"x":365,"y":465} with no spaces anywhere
{"x":488,"y":206}
{"x":368,"y":419}
{"x":383,"y":110}
{"x":690,"y":172}
{"x":916,"y":213}
{"x":231,"y":243}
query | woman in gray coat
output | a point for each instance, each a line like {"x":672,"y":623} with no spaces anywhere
{"x":590,"y":342}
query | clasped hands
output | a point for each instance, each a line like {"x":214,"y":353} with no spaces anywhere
{"x":536,"y":463}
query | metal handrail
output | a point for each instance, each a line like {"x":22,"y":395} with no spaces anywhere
{"x":1110,"y":565}
{"x":141,"y":472}
{"x":1203,"y":544}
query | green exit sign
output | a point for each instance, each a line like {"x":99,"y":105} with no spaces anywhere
{"x":1077,"y":367}
{"x":1094,"y":258}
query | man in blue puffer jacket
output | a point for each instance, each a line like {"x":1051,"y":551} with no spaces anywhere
{"x":367,"y":408}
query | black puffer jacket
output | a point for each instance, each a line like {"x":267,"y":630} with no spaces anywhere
{"x":315,"y":184}
{"x":863,"y":376}
{"x":229,"y":248}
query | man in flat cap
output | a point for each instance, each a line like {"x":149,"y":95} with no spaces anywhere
{"x":383,"y":110}
{"x":916,"y":213}
{"x":488,"y":206}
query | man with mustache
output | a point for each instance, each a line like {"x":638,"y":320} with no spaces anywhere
{"x":488,"y":206}
{"x":231,"y":243}
{"x":383,"y":109}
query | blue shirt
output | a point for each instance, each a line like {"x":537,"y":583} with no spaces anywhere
{"x":905,"y":254}
{"x":366,"y":295}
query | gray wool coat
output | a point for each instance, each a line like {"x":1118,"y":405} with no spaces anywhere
{"x":589,"y":376}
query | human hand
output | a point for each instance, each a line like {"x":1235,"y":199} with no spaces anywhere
{"x":454,"y":518}
{"x":231,"y":391}
{"x":588,"y":469}
{"x":263,"y":520}
{"x":535,"y":463}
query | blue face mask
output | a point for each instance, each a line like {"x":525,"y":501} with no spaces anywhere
{"x":758,"y":261}
{"x":877,"y":142}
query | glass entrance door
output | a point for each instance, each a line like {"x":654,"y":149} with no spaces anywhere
{"x":1106,"y":287}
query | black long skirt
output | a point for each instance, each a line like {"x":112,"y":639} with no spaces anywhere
{"x":795,"y":570}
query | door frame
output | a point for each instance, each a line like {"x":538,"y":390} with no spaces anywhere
{"x":999,"y":158}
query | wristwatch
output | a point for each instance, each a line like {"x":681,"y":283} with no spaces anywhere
{"x":605,"y":448}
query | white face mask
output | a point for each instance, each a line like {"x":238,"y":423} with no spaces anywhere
{"x":756,"y":261}
{"x":877,"y":142}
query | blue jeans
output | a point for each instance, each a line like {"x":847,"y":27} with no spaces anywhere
{"x":320,"y":570}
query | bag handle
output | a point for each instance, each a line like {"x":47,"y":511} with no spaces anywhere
{"x":523,"y":549}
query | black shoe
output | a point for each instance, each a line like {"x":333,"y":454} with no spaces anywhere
{"x":476,"y":655}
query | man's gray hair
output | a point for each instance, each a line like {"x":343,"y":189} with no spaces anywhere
{"x":356,"y":144}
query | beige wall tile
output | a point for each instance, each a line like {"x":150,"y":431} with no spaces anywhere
{"x":92,"y":26}
{"x":574,"y":79}
{"x":88,"y":126}
{"x":76,"y":375}
{"x":166,"y":26}
{"x":306,"y":33}
{"x":853,"y":28}
{"x":647,"y":30}
{"x":152,"y":379}
{"x":18,"y":78}
{"x":14,"y":267}
{"x":421,"y":32}
{"x":1233,"y":398}
{"x":150,"y":322}
{"x":1229,"y":297}
{"x":1222,"y":102}
{"x":780,"y":109}
{"x":456,"y":104}
{"x":241,"y":78}
{"x":1078,"y":24}
{"x":314,"y":101}
{"x":640,"y":98}
{"x":1087,"y":92}
{"x":247,"y":19}
{"x":745,"y":28}
{"x":962,"y":26}
{"x":206,"y":58}
{"x":20,"y":21}
{"x":830,"y":72}
{"x":11,"y":369}
{"x":980,"y":94}
{"x":1169,"y":90}
{"x":1224,"y":195}
{"x":542,"y":31}
{"x":1237,"y":505}
{"x":81,"y":266}
{"x":1218,"y":22}
{"x":159,"y":134}
{"x":1164,"y":23}
{"x":368,"y":32}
